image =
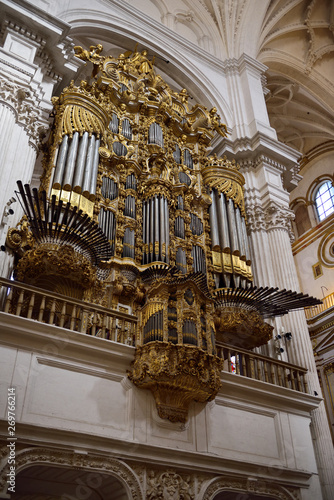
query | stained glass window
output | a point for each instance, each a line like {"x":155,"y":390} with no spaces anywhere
{"x":324,"y":200}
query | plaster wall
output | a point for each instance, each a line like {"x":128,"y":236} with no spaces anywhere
{"x":74,"y":383}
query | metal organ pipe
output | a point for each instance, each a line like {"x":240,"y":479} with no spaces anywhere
{"x":232,"y":226}
{"x":155,"y":135}
{"x":89,"y":163}
{"x":167,"y":229}
{"x":129,"y":243}
{"x":155,"y":229}
{"x":130,"y":207}
{"x":198,"y":256}
{"x":114,"y":124}
{"x":181,"y":260}
{"x":131,"y":182}
{"x":245,"y":238}
{"x":80,"y":163}
{"x":71,"y":160}
{"x":151,"y":204}
{"x":126,"y":129}
{"x":223,"y":227}
{"x":239,"y":232}
{"x":188,"y":159}
{"x":162,"y":229}
{"x":61,"y":161}
{"x":77,"y":164}
{"x":177,"y":154}
{"x":95,"y":167}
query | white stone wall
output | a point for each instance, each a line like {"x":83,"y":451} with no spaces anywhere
{"x":76,"y":387}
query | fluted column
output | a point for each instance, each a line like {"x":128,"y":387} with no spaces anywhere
{"x":19,"y":137}
{"x":270,"y":233}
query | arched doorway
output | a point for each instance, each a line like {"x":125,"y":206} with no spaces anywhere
{"x":232,"y":495}
{"x":62,"y":483}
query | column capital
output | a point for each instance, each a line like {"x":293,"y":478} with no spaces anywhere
{"x":269,"y":218}
{"x":24,"y":102}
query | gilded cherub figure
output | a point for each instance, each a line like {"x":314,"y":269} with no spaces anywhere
{"x":216,"y":123}
{"x":92,"y":55}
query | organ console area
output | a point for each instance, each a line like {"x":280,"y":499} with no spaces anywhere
{"x":134,"y":214}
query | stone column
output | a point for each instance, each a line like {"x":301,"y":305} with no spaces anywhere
{"x":27,"y":80}
{"x":269,"y":225}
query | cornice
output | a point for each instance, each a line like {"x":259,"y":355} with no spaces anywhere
{"x":83,"y":445}
{"x":313,"y":234}
{"x":24,"y":103}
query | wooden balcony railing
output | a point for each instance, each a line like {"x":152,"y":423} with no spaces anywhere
{"x":51,"y":308}
{"x":54,"y":309}
{"x":253,"y":365}
{"x":327,"y":303}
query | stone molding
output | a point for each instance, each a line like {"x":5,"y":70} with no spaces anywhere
{"x":24,"y":103}
{"x":250,"y":485}
{"x":45,"y":456}
{"x":269,"y":218}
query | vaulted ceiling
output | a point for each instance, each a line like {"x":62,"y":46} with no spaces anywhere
{"x":293,"y":38}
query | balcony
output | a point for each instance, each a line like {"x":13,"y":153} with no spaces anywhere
{"x":327,"y":304}
{"x":50,"y":308}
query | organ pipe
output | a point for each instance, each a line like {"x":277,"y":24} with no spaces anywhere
{"x":155,"y":135}
{"x":223,"y":227}
{"x":155,"y":229}
{"x":89,"y":164}
{"x":71,"y":161}
{"x":129,"y":243}
{"x":126,"y":129}
{"x":61,"y":161}
{"x":131,"y":182}
{"x":232,"y":226}
{"x":188,"y":159}
{"x":80,"y":163}
{"x":114,"y":123}
{"x":95,"y":167}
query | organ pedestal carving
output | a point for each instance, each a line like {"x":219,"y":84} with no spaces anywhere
{"x":132,"y":212}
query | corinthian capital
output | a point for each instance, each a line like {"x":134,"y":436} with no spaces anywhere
{"x":269,"y":218}
{"x":25,"y":106}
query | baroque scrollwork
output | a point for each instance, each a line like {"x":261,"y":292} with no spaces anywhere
{"x":271,"y":217}
{"x":68,"y":459}
{"x":24,"y":102}
{"x":252,"y":486}
{"x":176,"y":375}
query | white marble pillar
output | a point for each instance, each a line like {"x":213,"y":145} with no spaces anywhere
{"x":270,"y":234}
{"x":27,"y":81}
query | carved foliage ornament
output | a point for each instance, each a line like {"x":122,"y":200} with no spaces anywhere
{"x":168,"y":486}
{"x":54,"y":260}
{"x":242,"y":328}
{"x":24,"y":101}
{"x":176,"y":375}
{"x":252,"y":486}
{"x":270,"y":218}
{"x":68,"y":459}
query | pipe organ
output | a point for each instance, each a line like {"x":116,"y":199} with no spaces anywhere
{"x":160,"y":226}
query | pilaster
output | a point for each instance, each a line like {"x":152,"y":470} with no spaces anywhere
{"x":28,"y":77}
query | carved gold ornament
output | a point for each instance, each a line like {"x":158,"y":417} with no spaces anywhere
{"x":241,"y":328}
{"x":176,"y":376}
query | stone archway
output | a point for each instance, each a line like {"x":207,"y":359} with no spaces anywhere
{"x":247,"y":489}
{"x":83,"y":473}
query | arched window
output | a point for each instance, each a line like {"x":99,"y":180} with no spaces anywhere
{"x":302,"y":219}
{"x":324,"y":200}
